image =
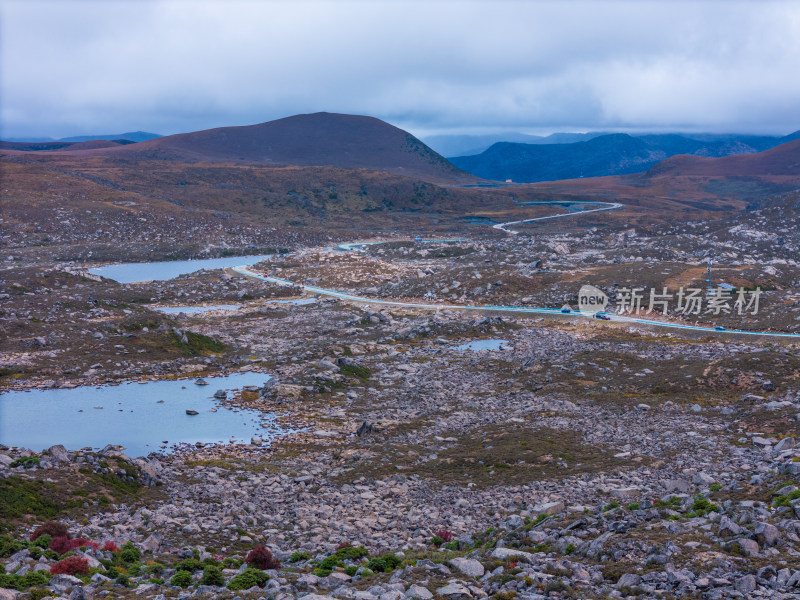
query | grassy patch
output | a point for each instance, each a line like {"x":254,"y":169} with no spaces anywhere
{"x":197,"y":344}
{"x":19,"y":497}
{"x":357,"y":371}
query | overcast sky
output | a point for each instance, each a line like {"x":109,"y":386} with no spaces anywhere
{"x":72,"y":67}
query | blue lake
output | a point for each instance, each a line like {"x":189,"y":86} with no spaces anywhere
{"x":479,"y":345}
{"x":132,"y":415}
{"x":162,"y":271}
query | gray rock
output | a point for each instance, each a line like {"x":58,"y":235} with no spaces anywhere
{"x":62,"y":583}
{"x":59,"y":453}
{"x":549,"y":508}
{"x":745,"y":585}
{"x":748,"y":546}
{"x":509,"y":553}
{"x":629,"y":580}
{"x":454,"y":590}
{"x":417,"y":592}
{"x":677,"y":485}
{"x":766,"y":534}
{"x":702,"y":478}
{"x":468,"y":566}
{"x":78,"y":593}
{"x":333,"y":581}
{"x":728,"y":528}
{"x":152,"y":543}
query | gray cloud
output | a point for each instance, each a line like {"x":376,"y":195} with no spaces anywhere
{"x":71,"y":67}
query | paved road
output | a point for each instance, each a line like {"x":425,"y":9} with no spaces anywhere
{"x":359,"y":246}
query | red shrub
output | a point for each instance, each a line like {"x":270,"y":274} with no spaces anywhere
{"x":110,"y":547}
{"x":261,"y":558}
{"x":52,"y":528}
{"x":72,"y":565}
{"x":447,"y":536}
{"x":60,"y":544}
{"x":63,"y":544}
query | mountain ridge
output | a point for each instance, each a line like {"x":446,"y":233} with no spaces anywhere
{"x":608,"y":154}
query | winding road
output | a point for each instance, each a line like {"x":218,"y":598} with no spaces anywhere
{"x":599,"y":206}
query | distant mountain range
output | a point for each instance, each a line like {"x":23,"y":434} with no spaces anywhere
{"x":466,"y":145}
{"x":608,"y":154}
{"x":132,"y":136}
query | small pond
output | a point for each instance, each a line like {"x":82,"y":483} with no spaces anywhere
{"x":162,"y":271}
{"x":479,"y":345}
{"x":138,"y":416}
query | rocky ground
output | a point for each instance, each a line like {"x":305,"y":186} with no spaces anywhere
{"x":581,"y":459}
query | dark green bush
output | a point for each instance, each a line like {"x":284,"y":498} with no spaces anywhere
{"x":130,"y":553}
{"x":298,"y":556}
{"x":387,"y":562}
{"x":247,"y":579}
{"x":212,"y":575}
{"x":154,"y":569}
{"x":189,"y":564}
{"x":181,"y":579}
{"x":23,"y":582}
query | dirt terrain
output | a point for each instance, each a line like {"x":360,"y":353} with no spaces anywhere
{"x":575,"y":458}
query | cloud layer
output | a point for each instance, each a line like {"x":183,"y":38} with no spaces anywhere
{"x":78,"y":67}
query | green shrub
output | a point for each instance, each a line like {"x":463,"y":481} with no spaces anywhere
{"x":611,"y":506}
{"x":357,"y":371}
{"x":633,"y":506}
{"x":351,"y":570}
{"x":181,"y":579}
{"x":9,"y":546}
{"x":32,"y":578}
{"x":298,"y":556}
{"x":436,"y":541}
{"x":231,"y":563}
{"x":154,"y":569}
{"x":23,"y":582}
{"x":130,"y":553}
{"x":671,"y":503}
{"x":25,"y":461}
{"x":247,"y":579}
{"x":122,"y":579}
{"x":337,"y":559}
{"x":43,"y":541}
{"x":702,"y":505}
{"x":212,"y":575}
{"x":786,"y":499}
{"x":451,"y":545}
{"x":189,"y":564}
{"x":382,"y":564}
{"x":40,"y":593}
